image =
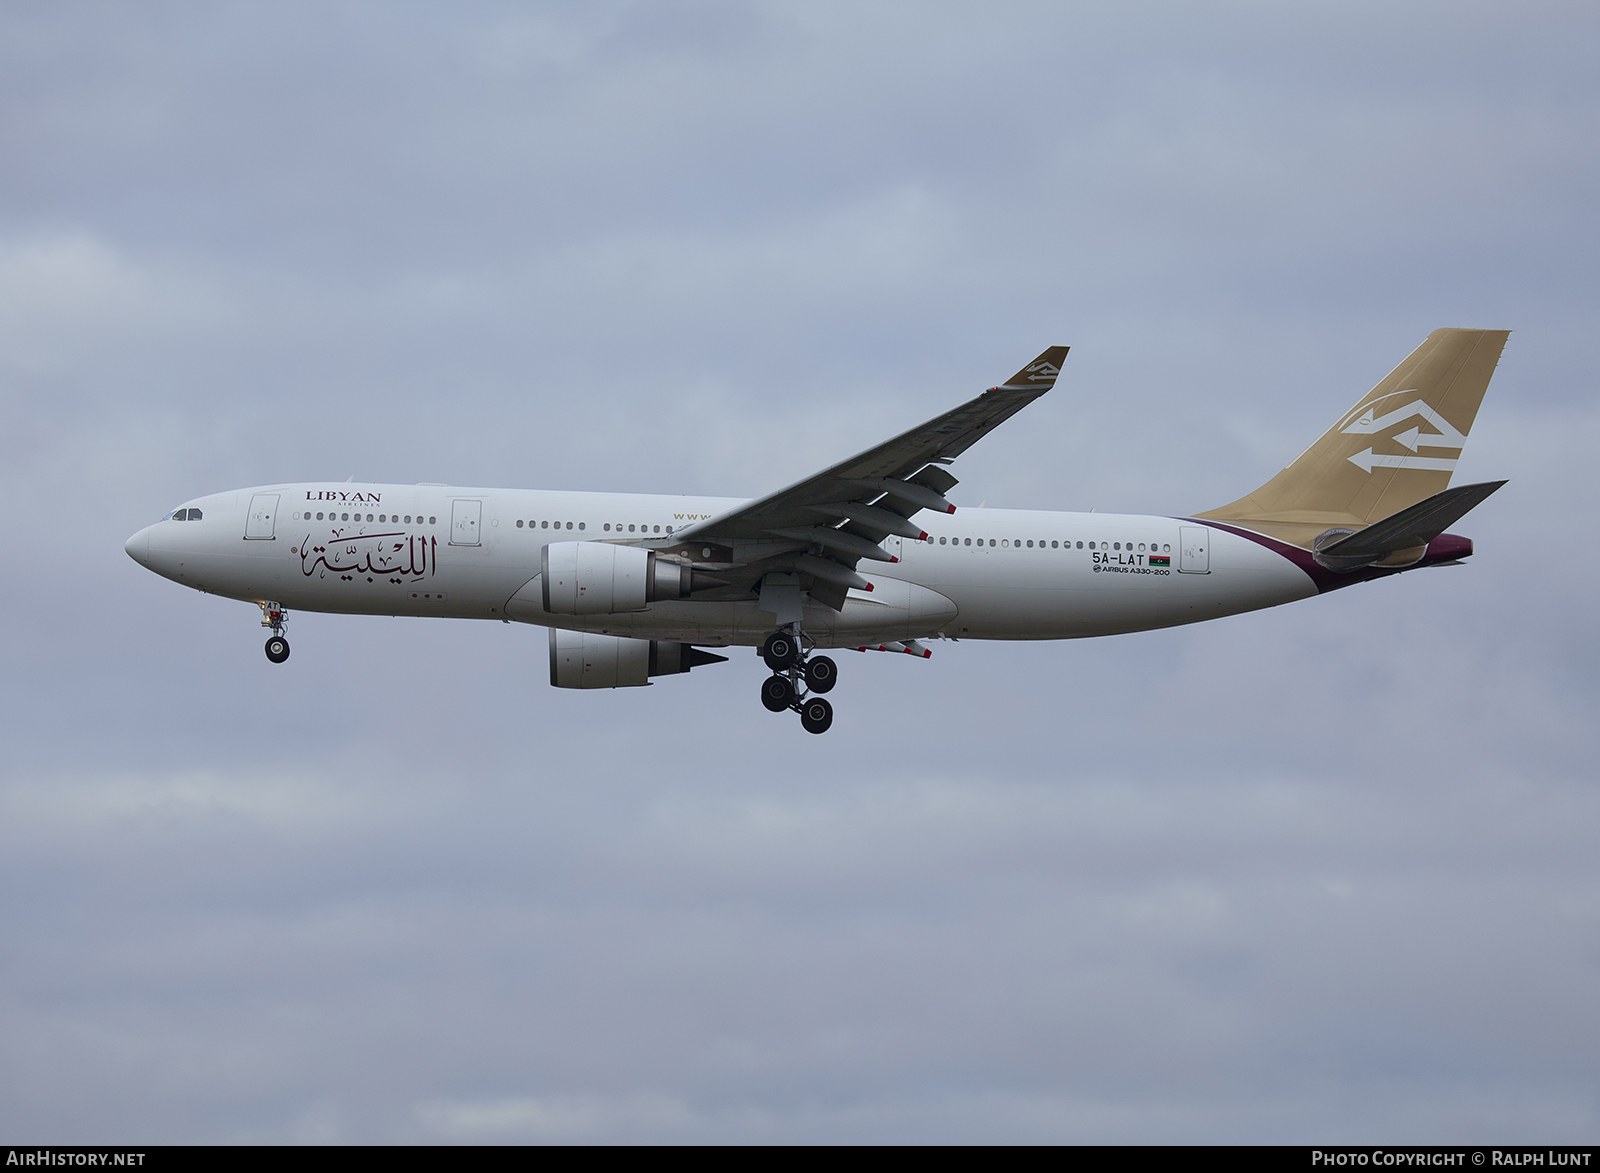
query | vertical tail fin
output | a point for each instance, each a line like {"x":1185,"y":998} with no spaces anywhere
{"x":1397,"y":447}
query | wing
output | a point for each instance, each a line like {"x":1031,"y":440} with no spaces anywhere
{"x":823,"y":526}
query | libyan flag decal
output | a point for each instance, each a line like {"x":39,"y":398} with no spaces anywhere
{"x":1161,"y":560}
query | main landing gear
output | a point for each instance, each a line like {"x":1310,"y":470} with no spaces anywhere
{"x":798,"y":681}
{"x":275,"y":617}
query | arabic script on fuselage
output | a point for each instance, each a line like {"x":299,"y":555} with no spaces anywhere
{"x":394,"y":556}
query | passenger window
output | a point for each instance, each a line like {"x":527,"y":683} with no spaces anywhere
{"x":669,"y":529}
{"x":991,"y":541}
{"x":580,"y":525}
{"x":608,"y":527}
{"x":658,"y":529}
{"x":569,"y":525}
{"x":1166,"y":549}
{"x":1091,"y":545}
{"x":433,"y":521}
{"x":630,"y":529}
{"x":941,"y":541}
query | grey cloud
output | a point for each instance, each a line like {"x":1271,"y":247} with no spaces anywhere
{"x":1321,"y":872}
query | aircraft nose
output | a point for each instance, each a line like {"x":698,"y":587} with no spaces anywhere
{"x":138,"y":547}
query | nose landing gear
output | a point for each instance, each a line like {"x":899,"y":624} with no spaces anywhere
{"x":275,"y":617}
{"x":793,"y":672}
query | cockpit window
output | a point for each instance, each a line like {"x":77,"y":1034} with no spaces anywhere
{"x":194,"y":515}
{"x":183,"y":515}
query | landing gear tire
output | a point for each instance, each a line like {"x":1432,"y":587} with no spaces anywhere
{"x":816,"y":715}
{"x":781,"y":651}
{"x":277,"y":649}
{"x":777,"y":693}
{"x":821,"y":674}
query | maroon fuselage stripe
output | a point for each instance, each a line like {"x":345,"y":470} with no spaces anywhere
{"x":1444,"y":548}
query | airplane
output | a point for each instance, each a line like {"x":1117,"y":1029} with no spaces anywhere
{"x":868,"y":554}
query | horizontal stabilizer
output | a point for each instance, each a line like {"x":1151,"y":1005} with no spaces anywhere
{"x":1407,"y":530}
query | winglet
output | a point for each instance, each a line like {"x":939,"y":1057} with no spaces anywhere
{"x":1040,"y":374}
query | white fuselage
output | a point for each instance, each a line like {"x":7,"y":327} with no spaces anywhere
{"x":475,"y":554}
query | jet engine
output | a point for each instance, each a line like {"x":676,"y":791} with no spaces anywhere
{"x":595,"y":578}
{"x":581,"y":660}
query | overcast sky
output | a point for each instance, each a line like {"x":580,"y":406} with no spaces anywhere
{"x":1322,"y":873}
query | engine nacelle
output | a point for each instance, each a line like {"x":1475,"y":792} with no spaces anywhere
{"x":596,"y":578}
{"x":581,"y":660}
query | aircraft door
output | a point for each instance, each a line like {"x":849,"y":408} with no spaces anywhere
{"x":465,"y":518}
{"x":263,"y":514}
{"x":1194,"y":549}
